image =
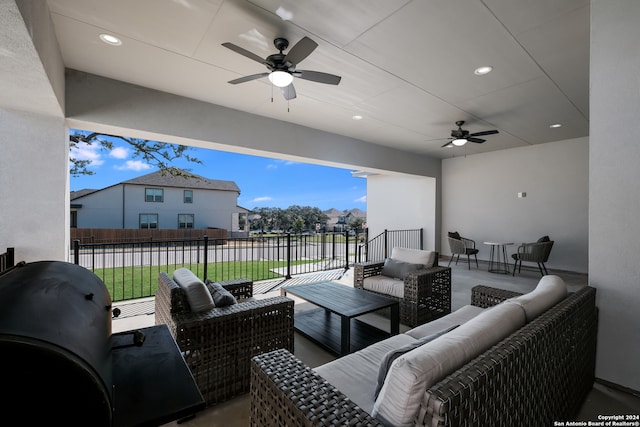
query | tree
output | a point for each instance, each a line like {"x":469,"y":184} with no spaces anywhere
{"x":298,"y":225}
{"x":158,"y":154}
{"x":355,"y":224}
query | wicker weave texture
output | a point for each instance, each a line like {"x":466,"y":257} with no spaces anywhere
{"x":486,"y":296}
{"x":285,"y":392}
{"x":541,"y":373}
{"x":218,"y":344}
{"x":427,"y":292}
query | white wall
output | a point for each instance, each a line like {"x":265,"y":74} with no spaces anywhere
{"x":402,"y":202}
{"x":34,"y":147}
{"x":614,"y":199}
{"x":34,"y":196}
{"x":480,"y":199}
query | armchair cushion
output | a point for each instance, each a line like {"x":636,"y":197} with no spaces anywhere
{"x":398,"y":269}
{"x":385,"y":285}
{"x":414,"y":256}
{"x":197,"y":293}
{"x":221,"y":296}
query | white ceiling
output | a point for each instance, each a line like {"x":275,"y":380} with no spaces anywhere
{"x":406,"y":65}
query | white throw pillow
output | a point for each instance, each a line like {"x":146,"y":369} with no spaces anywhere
{"x":413,"y":256}
{"x":197,"y":293}
{"x":549,"y":291}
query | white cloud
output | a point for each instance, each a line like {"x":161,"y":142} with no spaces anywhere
{"x":133,"y":165}
{"x":262,"y":199}
{"x":84,"y":151}
{"x":119,"y":153}
{"x":362,"y":199}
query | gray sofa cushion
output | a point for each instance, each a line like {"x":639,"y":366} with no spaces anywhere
{"x":458,"y":317}
{"x":412,"y":373}
{"x":549,"y":291}
{"x":391,"y":356}
{"x":356,"y":374}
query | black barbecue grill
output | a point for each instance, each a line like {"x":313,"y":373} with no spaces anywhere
{"x":60,"y":363}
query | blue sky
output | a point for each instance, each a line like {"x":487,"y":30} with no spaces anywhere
{"x":263,"y":182}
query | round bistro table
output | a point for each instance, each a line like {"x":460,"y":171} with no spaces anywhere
{"x":498,"y":260}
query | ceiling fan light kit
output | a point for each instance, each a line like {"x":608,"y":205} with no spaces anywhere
{"x":280,"y":78}
{"x":459,"y":142}
{"x":460,"y":137}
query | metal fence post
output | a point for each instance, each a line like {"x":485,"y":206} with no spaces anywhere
{"x":288,"y":256}
{"x":76,"y":252}
{"x":205,"y":256}
{"x":346,"y":258}
{"x":386,"y":248}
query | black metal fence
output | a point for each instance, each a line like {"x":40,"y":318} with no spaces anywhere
{"x":379,"y":247}
{"x":130,"y":269}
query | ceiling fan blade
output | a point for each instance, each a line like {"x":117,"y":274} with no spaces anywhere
{"x":448,"y":144}
{"x":486,"y":132}
{"x":248,"y":78}
{"x":476,"y":140}
{"x":316,"y":76}
{"x":289,"y":92}
{"x":244,"y":52}
{"x":301,"y":50}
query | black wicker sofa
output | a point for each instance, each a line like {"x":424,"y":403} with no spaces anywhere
{"x":536,"y":375}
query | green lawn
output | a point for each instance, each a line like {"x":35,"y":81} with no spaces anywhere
{"x":142,"y":281}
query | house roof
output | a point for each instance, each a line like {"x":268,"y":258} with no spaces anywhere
{"x":158,"y":179}
{"x":79,"y":193}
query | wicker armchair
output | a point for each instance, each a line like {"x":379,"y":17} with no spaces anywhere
{"x":427,"y":292}
{"x":537,"y":252}
{"x":218,"y":344}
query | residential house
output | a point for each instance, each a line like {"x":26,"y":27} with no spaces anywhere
{"x":160,"y":200}
{"x":338,"y":220}
{"x":407,"y":67}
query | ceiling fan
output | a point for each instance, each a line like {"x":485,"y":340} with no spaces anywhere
{"x":282,"y":67}
{"x":460,"y":137}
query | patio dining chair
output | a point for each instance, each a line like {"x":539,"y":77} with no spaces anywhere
{"x":462,"y":246}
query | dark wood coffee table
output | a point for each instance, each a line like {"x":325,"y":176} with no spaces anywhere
{"x":332,"y":325}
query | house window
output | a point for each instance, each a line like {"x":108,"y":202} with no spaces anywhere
{"x":188,"y":196}
{"x":185,"y":220}
{"x":74,"y":219}
{"x":153,"y":195}
{"x":148,"y":220}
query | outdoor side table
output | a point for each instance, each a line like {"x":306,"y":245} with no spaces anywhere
{"x":498,"y":260}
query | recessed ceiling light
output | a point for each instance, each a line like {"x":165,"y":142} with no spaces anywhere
{"x":109,"y":39}
{"x":556,"y":125}
{"x":357,"y":117}
{"x":481,"y":71}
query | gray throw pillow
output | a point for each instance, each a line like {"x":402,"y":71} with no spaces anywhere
{"x":394,"y":354}
{"x":221,"y":296}
{"x":398,"y":269}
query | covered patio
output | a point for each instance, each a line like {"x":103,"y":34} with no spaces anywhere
{"x":581,"y":187}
